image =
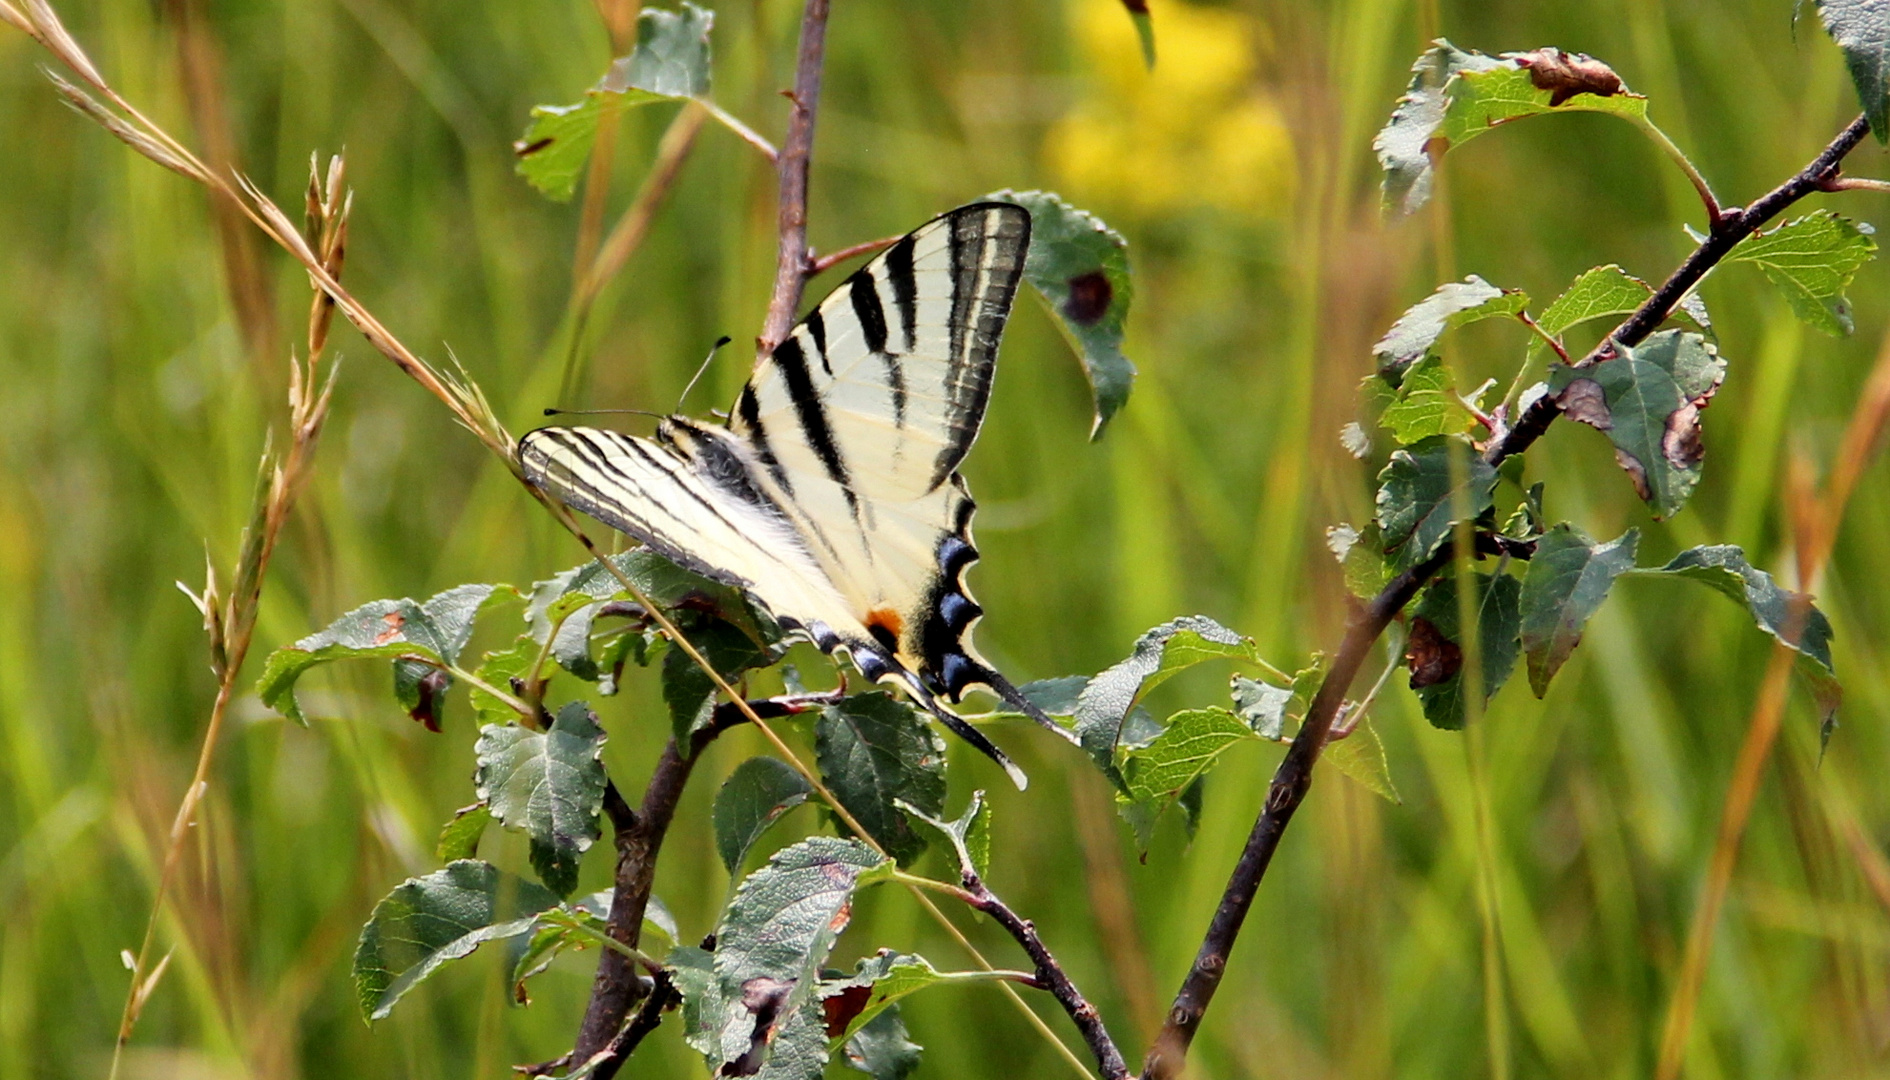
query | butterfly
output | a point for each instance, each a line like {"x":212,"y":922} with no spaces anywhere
{"x":832,"y":494}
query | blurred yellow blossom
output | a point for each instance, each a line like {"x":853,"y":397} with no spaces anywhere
{"x":1197,"y":132}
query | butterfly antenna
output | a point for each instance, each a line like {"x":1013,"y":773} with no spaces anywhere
{"x":601,"y":412}
{"x":706,"y":361}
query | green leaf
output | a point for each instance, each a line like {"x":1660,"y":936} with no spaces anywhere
{"x":437,"y":630}
{"x":1427,"y":404}
{"x":1776,"y":611}
{"x":1648,"y":400}
{"x":670,"y":63}
{"x":1360,"y":756}
{"x":1601,"y":291}
{"x":459,"y":838}
{"x":878,"y":983}
{"x":1812,"y":260}
{"x":1861,"y":29}
{"x":875,"y":751}
{"x":498,"y":669}
{"x":1262,"y":706}
{"x":1189,"y":745}
{"x":1435,"y":650}
{"x":1568,"y":578}
{"x":1454,"y":304}
{"x":1109,"y":699}
{"x":430,"y":920}
{"x":1056,"y":697}
{"x":550,"y":785}
{"x":1417,"y":498}
{"x":1080,"y":267}
{"x":770,"y":947}
{"x":754,"y":797}
{"x":1454,"y":96}
{"x":969,"y":836}
{"x":1361,"y":556}
{"x":573,"y":600}
{"x":883,"y":1048}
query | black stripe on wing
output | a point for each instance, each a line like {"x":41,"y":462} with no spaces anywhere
{"x":863,"y":294}
{"x":986,"y":247}
{"x":812,"y":414}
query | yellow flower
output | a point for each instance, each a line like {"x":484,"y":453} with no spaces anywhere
{"x":1197,"y":132}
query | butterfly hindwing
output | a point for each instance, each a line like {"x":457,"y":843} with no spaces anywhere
{"x":832,"y":494}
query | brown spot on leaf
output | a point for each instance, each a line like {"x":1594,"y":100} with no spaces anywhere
{"x":1636,"y":472}
{"x":1564,"y":75}
{"x":393,"y":621}
{"x":762,"y":996}
{"x":526,"y":149}
{"x":1432,"y":657}
{"x":840,"y":1009}
{"x":1584,"y":402}
{"x":1090,"y":297}
{"x":426,"y":710}
{"x":1680,"y":443}
{"x":841,"y":918}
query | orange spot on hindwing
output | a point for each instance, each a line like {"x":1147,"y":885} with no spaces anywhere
{"x":886,"y":627}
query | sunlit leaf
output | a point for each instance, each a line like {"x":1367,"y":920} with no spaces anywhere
{"x":969,"y":836}
{"x":459,"y":838}
{"x":1427,"y":404}
{"x":1812,"y":260}
{"x":670,"y":63}
{"x":1601,"y":291}
{"x":1454,"y":304}
{"x":1454,"y":96}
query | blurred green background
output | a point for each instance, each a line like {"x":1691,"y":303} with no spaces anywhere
{"x":136,"y":399}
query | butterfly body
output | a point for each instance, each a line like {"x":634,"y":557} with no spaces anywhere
{"x":832,"y":493}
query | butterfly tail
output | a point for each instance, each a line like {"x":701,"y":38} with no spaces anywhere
{"x":1015,"y":698}
{"x":963,"y":730}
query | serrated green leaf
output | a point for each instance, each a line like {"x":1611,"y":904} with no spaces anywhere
{"x":969,"y":837}
{"x":1776,"y":611}
{"x":1189,"y":745}
{"x":1107,"y":702}
{"x":427,"y":921}
{"x":1427,"y":404}
{"x":1454,"y":96}
{"x":1080,"y":267}
{"x":437,"y":630}
{"x":1360,"y":757}
{"x":1861,"y":29}
{"x":1499,"y":629}
{"x":1454,"y":304}
{"x":1595,"y":293}
{"x":549,"y":785}
{"x":1812,"y":260}
{"x":1648,"y":400}
{"x":1361,"y":557}
{"x":1417,"y":497}
{"x":571,"y":602}
{"x":770,"y":946}
{"x":875,"y":751}
{"x":754,"y":797}
{"x":1568,"y":578}
{"x":498,"y":669}
{"x":459,"y":838}
{"x":671,"y":62}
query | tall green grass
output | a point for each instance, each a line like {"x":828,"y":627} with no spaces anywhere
{"x":132,"y":415}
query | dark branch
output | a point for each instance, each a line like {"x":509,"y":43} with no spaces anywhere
{"x":1051,"y":977}
{"x":639,"y":839}
{"x":1293,"y":778}
{"x":791,"y":264}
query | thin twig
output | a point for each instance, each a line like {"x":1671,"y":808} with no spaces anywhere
{"x":1293,"y":778}
{"x":1050,"y":974}
{"x":824,"y":263}
{"x":790,"y":269}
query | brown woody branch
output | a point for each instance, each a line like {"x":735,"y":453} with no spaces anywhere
{"x":1293,"y":778}
{"x":791,"y":263}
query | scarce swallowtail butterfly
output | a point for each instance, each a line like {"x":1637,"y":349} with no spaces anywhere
{"x":832,"y":493}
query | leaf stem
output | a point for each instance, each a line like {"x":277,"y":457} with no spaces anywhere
{"x":748,"y":135}
{"x":1713,"y":212}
